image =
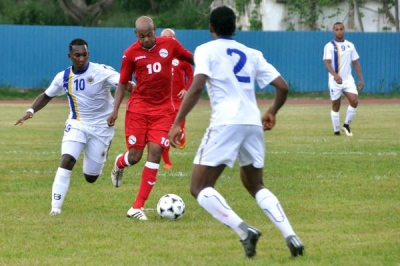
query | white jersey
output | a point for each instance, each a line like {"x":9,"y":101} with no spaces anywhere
{"x":341,"y":54}
{"x":232,"y":69}
{"x":88,"y":92}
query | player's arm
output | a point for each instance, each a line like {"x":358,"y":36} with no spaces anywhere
{"x":190,"y":100}
{"x":281,"y":92}
{"x":330,"y":69}
{"x":357,"y":68}
{"x":118,"y":98}
{"x":41,"y":101}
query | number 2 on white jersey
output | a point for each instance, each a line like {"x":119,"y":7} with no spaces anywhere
{"x":153,"y":68}
{"x":239,"y":65}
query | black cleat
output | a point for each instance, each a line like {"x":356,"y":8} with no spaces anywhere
{"x":295,"y":246}
{"x":249,"y":244}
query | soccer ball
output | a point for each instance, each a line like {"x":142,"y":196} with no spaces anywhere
{"x":171,"y":207}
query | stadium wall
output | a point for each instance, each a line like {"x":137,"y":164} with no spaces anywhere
{"x":32,"y":55}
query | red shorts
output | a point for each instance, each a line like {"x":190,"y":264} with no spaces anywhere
{"x":142,"y":128}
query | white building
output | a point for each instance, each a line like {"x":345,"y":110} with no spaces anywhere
{"x":369,"y":17}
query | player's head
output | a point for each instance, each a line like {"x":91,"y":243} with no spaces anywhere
{"x":338,"y":30}
{"x":168,"y":33}
{"x":222,"y":22}
{"x":79,"y":54}
{"x":145,"y":32}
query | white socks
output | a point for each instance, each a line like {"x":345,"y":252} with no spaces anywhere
{"x":60,"y":187}
{"x":350,"y":114}
{"x":335,"y":121}
{"x":215,"y":204}
{"x":269,"y":203}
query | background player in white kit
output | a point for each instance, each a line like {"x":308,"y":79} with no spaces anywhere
{"x":339,"y":55}
{"x":236,"y":128}
{"x":87,"y":86}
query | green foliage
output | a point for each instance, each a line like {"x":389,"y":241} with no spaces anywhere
{"x":340,"y":194}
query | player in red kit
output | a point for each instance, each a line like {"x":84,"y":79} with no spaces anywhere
{"x":182,"y":76}
{"x":150,"y":111}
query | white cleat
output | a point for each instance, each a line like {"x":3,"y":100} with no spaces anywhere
{"x":117,"y":173}
{"x":137,"y":214}
{"x":347,"y":131}
{"x":55,"y":211}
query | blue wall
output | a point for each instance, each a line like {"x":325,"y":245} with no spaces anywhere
{"x":32,"y":55}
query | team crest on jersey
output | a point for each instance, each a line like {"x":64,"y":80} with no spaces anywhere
{"x":175,"y":62}
{"x":90,"y":80}
{"x":163,"y":53}
{"x":131,"y":139}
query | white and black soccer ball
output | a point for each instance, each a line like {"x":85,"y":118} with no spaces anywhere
{"x":171,"y":207}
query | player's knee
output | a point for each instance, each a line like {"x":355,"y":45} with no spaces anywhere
{"x":91,"y":178}
{"x":67,"y":161}
{"x":134,"y":158}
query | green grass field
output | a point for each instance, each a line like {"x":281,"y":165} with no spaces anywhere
{"x":341,"y":195}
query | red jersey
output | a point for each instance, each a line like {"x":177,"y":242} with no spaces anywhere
{"x":182,"y":77}
{"x":152,"y":71}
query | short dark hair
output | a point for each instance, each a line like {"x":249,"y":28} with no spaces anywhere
{"x":223,"y":20}
{"x":77,"y":42}
{"x":338,"y":23}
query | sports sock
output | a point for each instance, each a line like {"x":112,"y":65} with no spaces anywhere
{"x":335,"y":121}
{"x":351,"y":112}
{"x":165,"y":156}
{"x":122,"y":161}
{"x":60,"y":187}
{"x":215,"y":204}
{"x":149,"y":177}
{"x":269,"y":203}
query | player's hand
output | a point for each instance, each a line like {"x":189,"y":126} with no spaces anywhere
{"x":182,"y":94}
{"x":338,"y":79}
{"x":360,"y":86}
{"x":174,"y":136}
{"x":112,"y":118}
{"x":28,"y":115}
{"x":268,"y":120}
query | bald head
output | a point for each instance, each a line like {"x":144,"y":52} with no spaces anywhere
{"x":144,"y":23}
{"x":168,"y":33}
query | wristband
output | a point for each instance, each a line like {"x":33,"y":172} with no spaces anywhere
{"x":30,"y":110}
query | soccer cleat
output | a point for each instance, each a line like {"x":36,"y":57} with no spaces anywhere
{"x":336,"y":133}
{"x":183,"y":139}
{"x":295,"y":246}
{"x":117,"y":173}
{"x":346,"y":129}
{"x":249,"y":244}
{"x":137,"y":214}
{"x":167,"y":166}
{"x":55,"y":211}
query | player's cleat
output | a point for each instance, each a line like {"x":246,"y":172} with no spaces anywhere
{"x":167,"y":166}
{"x":117,"y":173}
{"x":249,"y":244}
{"x":336,"y":133}
{"x":137,"y":214}
{"x":295,"y":246}
{"x":346,"y":129}
{"x":55,"y":211}
{"x":183,"y":139}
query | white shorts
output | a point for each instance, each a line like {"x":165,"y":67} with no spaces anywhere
{"x":96,"y":140}
{"x":336,"y":90}
{"x":224,"y":144}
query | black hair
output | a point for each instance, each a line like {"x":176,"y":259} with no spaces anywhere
{"x":338,"y":23}
{"x":77,"y":42}
{"x":223,"y":20}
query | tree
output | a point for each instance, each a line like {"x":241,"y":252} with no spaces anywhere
{"x":84,"y":12}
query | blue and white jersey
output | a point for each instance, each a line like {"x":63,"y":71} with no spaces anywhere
{"x":341,"y":54}
{"x":88,"y":92}
{"x":232,"y":69}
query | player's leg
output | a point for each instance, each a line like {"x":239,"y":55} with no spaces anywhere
{"x":70,"y":153}
{"x":96,"y":151}
{"x":335,"y":95}
{"x":352,"y":96}
{"x":251,"y":159}
{"x":135,"y":138}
